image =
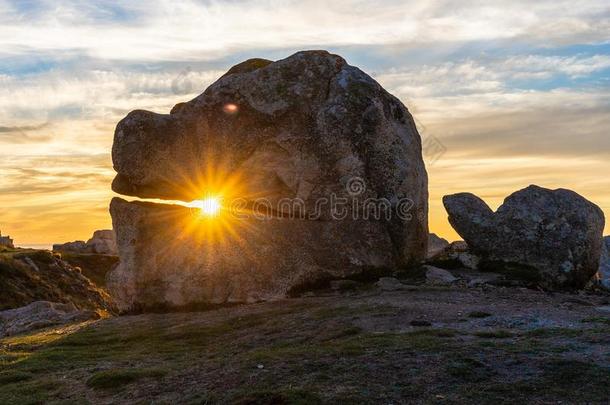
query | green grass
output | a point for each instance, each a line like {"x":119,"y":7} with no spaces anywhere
{"x":553,"y":332}
{"x":597,"y":319}
{"x":8,"y":377}
{"x":469,"y":369}
{"x":118,"y":377}
{"x":559,"y":380}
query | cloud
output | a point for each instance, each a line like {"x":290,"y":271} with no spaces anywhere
{"x":21,"y":134}
{"x":204,"y":30}
{"x":489,"y":74}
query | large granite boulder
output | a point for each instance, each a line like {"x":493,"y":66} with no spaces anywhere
{"x":550,"y":236}
{"x":309,"y":129}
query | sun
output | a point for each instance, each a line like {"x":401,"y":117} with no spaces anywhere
{"x":209,"y":206}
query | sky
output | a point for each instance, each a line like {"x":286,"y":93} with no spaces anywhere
{"x":505,"y":93}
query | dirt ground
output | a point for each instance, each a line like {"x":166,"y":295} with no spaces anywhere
{"x":422,"y":344}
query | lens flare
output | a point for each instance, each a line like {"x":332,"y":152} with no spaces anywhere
{"x":230,"y":108}
{"x":208,"y":207}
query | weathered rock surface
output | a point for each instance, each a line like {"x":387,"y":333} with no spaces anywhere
{"x":436,"y":244}
{"x":309,"y":127}
{"x":550,"y":236}
{"x":604,"y":264}
{"x":102,"y":242}
{"x":161,"y":264}
{"x":41,"y":314}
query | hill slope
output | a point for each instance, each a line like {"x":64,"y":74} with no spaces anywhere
{"x":28,"y":275}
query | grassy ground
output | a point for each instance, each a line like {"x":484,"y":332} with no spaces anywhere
{"x":500,"y":347}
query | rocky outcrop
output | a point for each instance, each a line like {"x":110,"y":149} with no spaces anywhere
{"x":436,"y":244}
{"x":552,"y":237}
{"x":78,"y":246}
{"x":309,"y":129}
{"x":41,"y":314}
{"x":102,"y":242}
{"x":31,"y":276}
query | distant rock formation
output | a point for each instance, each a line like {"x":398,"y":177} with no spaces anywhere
{"x":102,"y":242}
{"x":308,"y":127}
{"x":551,"y":236}
{"x":6,"y":241}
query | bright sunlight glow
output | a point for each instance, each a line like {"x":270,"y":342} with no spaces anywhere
{"x":209,"y":206}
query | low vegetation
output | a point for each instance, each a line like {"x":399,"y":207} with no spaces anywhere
{"x":93,"y":266}
{"x":341,"y":349}
{"x":28,"y":275}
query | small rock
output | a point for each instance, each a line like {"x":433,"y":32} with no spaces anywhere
{"x":434,"y":275}
{"x":31,"y":263}
{"x":260,"y":366}
{"x":475,"y":282}
{"x":389,"y":284}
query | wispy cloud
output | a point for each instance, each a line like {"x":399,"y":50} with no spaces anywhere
{"x":197,"y":30}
